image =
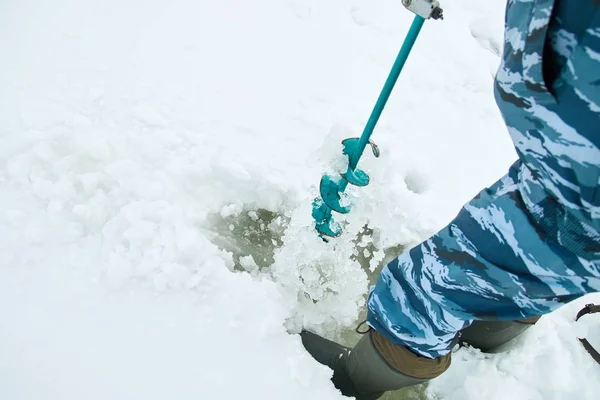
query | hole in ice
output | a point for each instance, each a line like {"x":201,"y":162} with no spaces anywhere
{"x":251,"y":236}
{"x":365,"y":253}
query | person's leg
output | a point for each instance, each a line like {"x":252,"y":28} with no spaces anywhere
{"x":373,"y":366}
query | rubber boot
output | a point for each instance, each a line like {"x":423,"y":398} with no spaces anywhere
{"x":373,"y":366}
{"x":491,"y":336}
{"x":334,"y":356}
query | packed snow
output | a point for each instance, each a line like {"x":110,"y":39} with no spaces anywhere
{"x":158,"y":160}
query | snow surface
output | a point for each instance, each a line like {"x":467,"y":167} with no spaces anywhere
{"x":151,"y":151}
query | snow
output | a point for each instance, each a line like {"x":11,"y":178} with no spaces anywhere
{"x":158,"y":160}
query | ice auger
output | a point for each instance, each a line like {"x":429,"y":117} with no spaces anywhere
{"x":330,"y":187}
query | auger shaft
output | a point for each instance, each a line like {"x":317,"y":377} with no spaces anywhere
{"x":390,"y":82}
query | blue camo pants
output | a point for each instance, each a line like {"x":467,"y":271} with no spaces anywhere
{"x":531,"y":242}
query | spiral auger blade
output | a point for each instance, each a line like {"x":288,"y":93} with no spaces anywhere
{"x":332,"y":189}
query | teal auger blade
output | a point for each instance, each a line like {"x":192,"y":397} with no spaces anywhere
{"x":332,"y":189}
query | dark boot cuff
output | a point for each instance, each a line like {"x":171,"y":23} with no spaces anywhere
{"x":408,"y":363}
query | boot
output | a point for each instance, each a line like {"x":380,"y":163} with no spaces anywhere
{"x":373,"y":366}
{"x":490,"y":336}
